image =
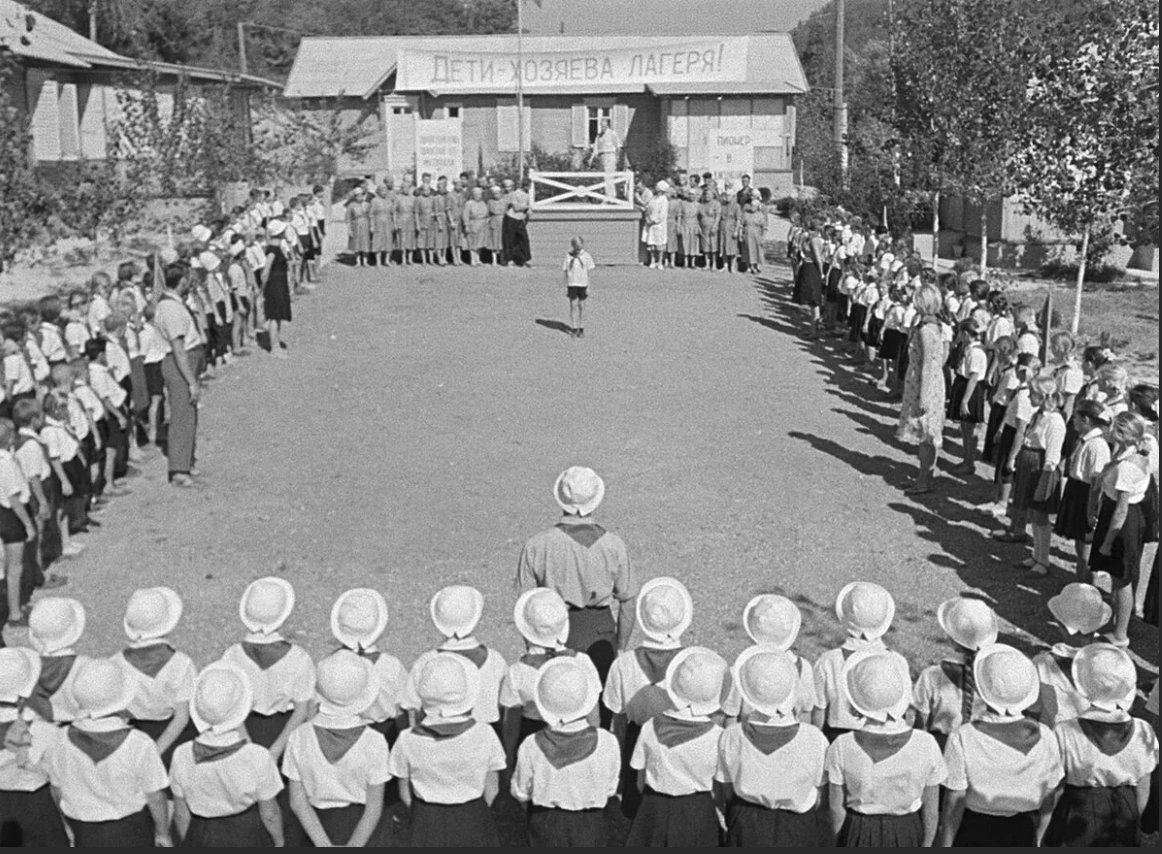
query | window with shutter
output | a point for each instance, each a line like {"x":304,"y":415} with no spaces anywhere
{"x":45,"y":124}
{"x":621,"y":120}
{"x":91,"y":105}
{"x":507,"y":136}
{"x":580,"y":135}
{"x":70,"y":126}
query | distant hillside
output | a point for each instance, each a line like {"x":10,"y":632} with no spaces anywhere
{"x":866,"y":22}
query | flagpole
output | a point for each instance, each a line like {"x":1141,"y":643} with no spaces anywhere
{"x":520,"y":90}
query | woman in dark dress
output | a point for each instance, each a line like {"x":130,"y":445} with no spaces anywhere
{"x":276,"y":287}
{"x":809,"y":283}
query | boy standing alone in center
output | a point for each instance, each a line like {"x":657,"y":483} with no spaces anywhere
{"x":577,"y":265}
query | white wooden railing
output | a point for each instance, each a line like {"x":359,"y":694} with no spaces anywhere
{"x":608,"y":189}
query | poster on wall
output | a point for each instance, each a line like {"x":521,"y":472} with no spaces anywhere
{"x":439,"y":148}
{"x":730,"y":155}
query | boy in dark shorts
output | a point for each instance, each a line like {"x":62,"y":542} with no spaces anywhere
{"x":577,"y":265}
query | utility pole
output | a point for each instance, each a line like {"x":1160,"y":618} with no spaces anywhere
{"x":242,"y":47}
{"x":92,"y":20}
{"x":520,"y":90}
{"x":840,"y":106}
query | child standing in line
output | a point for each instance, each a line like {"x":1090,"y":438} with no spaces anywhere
{"x":456,"y":611}
{"x":885,"y":777}
{"x":225,"y":787}
{"x":1018,"y":413}
{"x":966,"y":398}
{"x":1066,"y":371}
{"x":893,"y":337}
{"x":52,"y":342}
{"x":162,"y":677}
{"x":773,"y":622}
{"x":17,"y":530}
{"x":1000,"y":381}
{"x":1090,"y":456}
{"x":1108,"y":757}
{"x":865,"y":610}
{"x":677,"y":755}
{"x":577,"y":265}
{"x":114,"y":424}
{"x":1079,"y":613}
{"x":1003,"y":769}
{"x":771,"y":767}
{"x":448,"y":766}
{"x":945,"y":695}
{"x":566,"y":773}
{"x":33,"y":459}
{"x":337,"y":765}
{"x":54,"y":627}
{"x":358,"y":621}
{"x":68,"y":467}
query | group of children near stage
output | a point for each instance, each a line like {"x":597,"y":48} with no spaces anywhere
{"x":1071,"y":440}
{"x":265,"y":746}
{"x":82,"y":394}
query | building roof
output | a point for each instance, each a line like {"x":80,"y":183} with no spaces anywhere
{"x":360,"y":66}
{"x":50,"y":42}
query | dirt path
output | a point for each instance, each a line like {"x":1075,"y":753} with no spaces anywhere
{"x":412,"y":438}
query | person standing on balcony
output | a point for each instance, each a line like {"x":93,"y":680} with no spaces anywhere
{"x":607,"y":149}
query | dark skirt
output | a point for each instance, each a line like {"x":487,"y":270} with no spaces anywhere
{"x":241,"y":830}
{"x":975,"y":403}
{"x":154,"y":381}
{"x":873,"y":336}
{"x":675,"y":821}
{"x":1093,"y":816}
{"x":881,"y":831}
{"x":1004,"y":474}
{"x":276,"y":299}
{"x":892,"y":343}
{"x":31,"y":820}
{"x":557,"y":828}
{"x":154,"y":729}
{"x":467,"y":825}
{"x":133,"y":831}
{"x":809,"y":285}
{"x":1124,"y":561}
{"x":1073,"y":511}
{"x":992,"y":431}
{"x":855,"y":322}
{"x":11,"y":528}
{"x":340,"y":822}
{"x":978,"y":830}
{"x":1030,"y":462}
{"x":750,"y":825}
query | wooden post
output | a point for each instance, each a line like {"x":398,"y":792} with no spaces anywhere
{"x":242,"y":64}
{"x":520,"y":91}
{"x":1080,"y":280}
{"x":935,"y":228}
{"x":840,"y":106}
{"x":984,"y":236}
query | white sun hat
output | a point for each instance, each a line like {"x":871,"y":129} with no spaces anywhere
{"x":266,"y":604}
{"x":1105,"y":675}
{"x":152,"y":612}
{"x":448,"y":685}
{"x":275,"y":227}
{"x":865,"y":609}
{"x":873,"y":683}
{"x":456,"y":610}
{"x":359,"y":617}
{"x":579,"y":490}
{"x":970,"y":622}
{"x":19,"y":673}
{"x":345,"y":683}
{"x":222,"y":699}
{"x":100,"y":687}
{"x":662,"y":186}
{"x":201,"y":233}
{"x":56,"y":623}
{"x":772,"y":620}
{"x":664,"y":609}
{"x":694,"y":680}
{"x":565,"y":690}
{"x":1079,"y":609}
{"x":210,"y":261}
{"x":767,"y":679}
{"x":1006,"y":679}
{"x":542,"y":617}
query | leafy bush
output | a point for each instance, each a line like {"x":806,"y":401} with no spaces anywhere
{"x":1100,"y":273}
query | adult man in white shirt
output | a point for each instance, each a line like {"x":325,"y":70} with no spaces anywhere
{"x":175,"y":327}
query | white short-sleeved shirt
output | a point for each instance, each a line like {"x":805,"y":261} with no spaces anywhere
{"x":1000,"y":327}
{"x":89,"y":399}
{"x":805,"y":700}
{"x":1057,"y":691}
{"x":153,"y":346}
{"x":98,"y":311}
{"x":77,"y":335}
{"x":1086,"y":764}
{"x":937,"y":696}
{"x":78,"y":412}
{"x":336,"y":784}
{"x":113,"y":788}
{"x":59,"y":443}
{"x":448,"y":770}
{"x":1019,"y":408}
{"x":1047,"y":433}
{"x":31,"y":455}
{"x":1069,"y":377}
{"x":828,"y":692}
{"x":627,"y":683}
{"x":392,"y":677}
{"x":156,"y":696}
{"x":13,"y":484}
{"x":1028,"y":342}
{"x":1128,"y":474}
{"x":974,"y":362}
{"x":24,"y":774}
{"x":586,"y":784}
{"x":52,"y":344}
{"x":36,"y":358}
{"x":289,"y":681}
{"x":117,"y":359}
{"x":171,"y":320}
{"x":104,"y":386}
{"x":226,"y":785}
{"x":1005,"y":383}
{"x":1004,"y":766}
{"x":576,"y":268}
{"x":891,"y":785}
{"x":687,"y":764}
{"x":18,"y":372}
{"x":520,"y":681}
{"x":492,"y":669}
{"x":1090,"y":457}
{"x":788,"y":778}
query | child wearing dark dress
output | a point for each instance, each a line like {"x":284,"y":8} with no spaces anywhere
{"x":1090,"y":455}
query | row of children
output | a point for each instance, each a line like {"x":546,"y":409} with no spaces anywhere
{"x":986,"y":747}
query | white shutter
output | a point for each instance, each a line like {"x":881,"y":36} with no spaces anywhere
{"x":621,"y":120}
{"x":580,"y":126}
{"x":45,"y":125}
{"x":70,"y":122}
{"x":91,"y":104}
{"x":507,"y":136}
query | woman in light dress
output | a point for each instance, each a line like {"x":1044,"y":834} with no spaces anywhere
{"x":657,"y":222}
{"x":709,"y":215}
{"x":754,"y":226}
{"x":475,"y":217}
{"x":729,"y":229}
{"x":922,"y":412}
{"x":382,"y":226}
{"x":497,"y":207}
{"x":359,"y":226}
{"x":404,"y":213}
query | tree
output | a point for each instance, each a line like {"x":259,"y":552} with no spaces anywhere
{"x":1088,"y":146}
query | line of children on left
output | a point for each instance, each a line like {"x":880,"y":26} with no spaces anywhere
{"x":265,"y":746}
